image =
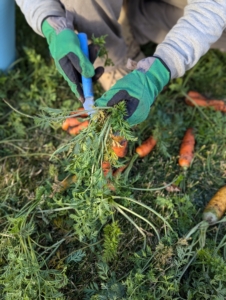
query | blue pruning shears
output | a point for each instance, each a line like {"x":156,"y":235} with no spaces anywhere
{"x":87,"y":83}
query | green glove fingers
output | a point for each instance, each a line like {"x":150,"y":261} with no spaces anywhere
{"x":138,"y":89}
{"x":69,"y":43}
{"x":69,"y":59}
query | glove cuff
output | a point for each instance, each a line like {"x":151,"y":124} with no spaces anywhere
{"x":154,"y":62}
{"x":54,"y":25}
{"x":60,"y":23}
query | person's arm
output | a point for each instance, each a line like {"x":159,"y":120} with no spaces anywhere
{"x":49,"y":19}
{"x":35,"y":11}
{"x":202,"y":25}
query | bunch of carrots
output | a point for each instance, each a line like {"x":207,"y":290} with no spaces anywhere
{"x":74,"y":125}
{"x":216,"y":207}
{"x":121,"y":150}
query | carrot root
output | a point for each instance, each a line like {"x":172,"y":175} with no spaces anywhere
{"x":146,"y":147}
{"x":70,"y":122}
{"x":121,"y":149}
{"x":74,"y":121}
{"x":187,"y":149}
{"x":216,"y":207}
{"x":106,"y":167}
{"x":119,"y":171}
{"x":202,"y":101}
{"x":76,"y":129}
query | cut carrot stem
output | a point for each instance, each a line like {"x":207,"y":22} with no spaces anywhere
{"x":121,"y":148}
{"x":146,"y":147}
{"x":200,"y":100}
{"x":117,"y":138}
{"x":216,"y":207}
{"x":75,"y":130}
{"x":187,"y":149}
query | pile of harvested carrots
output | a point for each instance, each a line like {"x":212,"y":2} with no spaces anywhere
{"x":216,"y":207}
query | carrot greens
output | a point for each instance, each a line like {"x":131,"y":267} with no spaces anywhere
{"x":71,"y":229}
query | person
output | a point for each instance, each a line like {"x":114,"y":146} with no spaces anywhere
{"x":184,"y":31}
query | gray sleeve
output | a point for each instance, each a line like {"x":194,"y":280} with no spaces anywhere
{"x":202,"y":25}
{"x":36,"y":11}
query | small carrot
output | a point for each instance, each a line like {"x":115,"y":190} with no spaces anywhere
{"x":141,"y":151}
{"x":216,"y":207}
{"x":121,"y":148}
{"x":146,"y":147}
{"x":106,"y":167}
{"x":65,"y":125}
{"x":74,"y":121}
{"x":70,"y":122}
{"x":116,"y":174}
{"x":119,"y":171}
{"x":194,"y":94}
{"x":111,"y":186}
{"x":76,"y":129}
{"x":200,"y":100}
{"x":187,"y":149}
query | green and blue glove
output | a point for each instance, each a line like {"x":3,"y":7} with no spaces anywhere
{"x":69,"y":59}
{"x":138,"y":89}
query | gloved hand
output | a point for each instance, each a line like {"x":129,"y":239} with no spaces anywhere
{"x":138,"y":89}
{"x":69,"y":59}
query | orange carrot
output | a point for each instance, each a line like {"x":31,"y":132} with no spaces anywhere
{"x":119,"y":171}
{"x":194,"y":94}
{"x":75,"y":130}
{"x":216,"y":207}
{"x":65,"y":125}
{"x":116,"y":174}
{"x":187,"y":149}
{"x":121,"y":148}
{"x":200,"y":100}
{"x":111,"y":186}
{"x":69,"y":122}
{"x":106,"y":167}
{"x":146,"y":147}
